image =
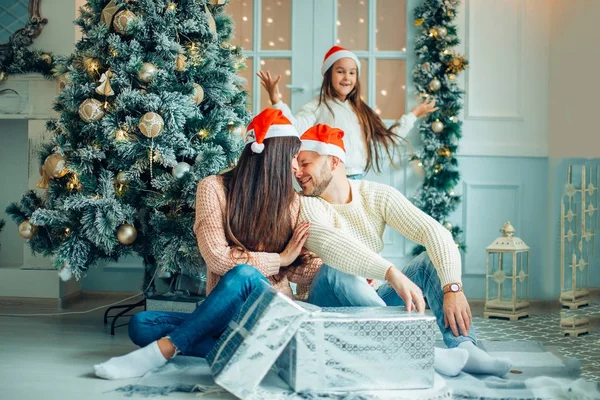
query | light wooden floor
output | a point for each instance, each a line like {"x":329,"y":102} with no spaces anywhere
{"x":48,"y":358}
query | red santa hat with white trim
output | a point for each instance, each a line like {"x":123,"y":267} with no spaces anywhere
{"x":337,"y":53}
{"x":268,"y":124}
{"x":325,"y":140}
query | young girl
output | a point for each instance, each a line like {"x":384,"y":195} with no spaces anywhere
{"x":339,"y":105}
{"x":244,"y":225}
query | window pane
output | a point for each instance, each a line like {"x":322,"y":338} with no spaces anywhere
{"x":391,"y":88}
{"x":353,"y":24}
{"x":277,"y":66}
{"x":247,"y":73}
{"x":242,"y":13}
{"x":391,"y":25}
{"x":276,"y":24}
{"x":364,"y":79}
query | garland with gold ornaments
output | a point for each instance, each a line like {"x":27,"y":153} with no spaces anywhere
{"x":435,"y":76}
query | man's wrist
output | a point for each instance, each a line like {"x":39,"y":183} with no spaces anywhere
{"x":453,"y":287}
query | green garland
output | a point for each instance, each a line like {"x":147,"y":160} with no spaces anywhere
{"x":435,"y":76}
{"x":21,"y":60}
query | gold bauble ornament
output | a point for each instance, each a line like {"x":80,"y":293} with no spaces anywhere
{"x":147,"y":72}
{"x":433,"y":32}
{"x":437,"y":126}
{"x":202,"y":133}
{"x":27,"y":230}
{"x":448,"y":225}
{"x":451,"y":77}
{"x":122,"y":21}
{"x":122,"y":178}
{"x":104,"y":88}
{"x":54,"y":167}
{"x":3,"y":76}
{"x":91,"y":110}
{"x":180,"y":64}
{"x":126,"y":234}
{"x":442,"y":31}
{"x":198,"y":94}
{"x":435,"y":85}
{"x":151,"y":124}
{"x":46,"y":58}
{"x":212,"y":25}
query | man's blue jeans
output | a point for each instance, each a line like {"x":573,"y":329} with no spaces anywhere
{"x":196,"y":333}
{"x":333,"y":288}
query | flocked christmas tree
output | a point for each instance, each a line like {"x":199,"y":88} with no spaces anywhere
{"x":434,"y":75}
{"x":152,"y":103}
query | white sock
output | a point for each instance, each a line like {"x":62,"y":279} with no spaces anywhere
{"x":450,"y":362}
{"x":480,"y":362}
{"x":132,"y":365}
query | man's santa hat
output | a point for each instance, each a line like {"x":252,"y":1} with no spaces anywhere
{"x":268,"y":124}
{"x":337,"y":53}
{"x":325,"y":140}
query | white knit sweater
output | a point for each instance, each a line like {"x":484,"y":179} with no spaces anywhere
{"x":349,"y":236}
{"x":345,"y":119}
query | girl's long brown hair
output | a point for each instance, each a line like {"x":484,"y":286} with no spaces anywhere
{"x":377,"y":136}
{"x":259,"y":195}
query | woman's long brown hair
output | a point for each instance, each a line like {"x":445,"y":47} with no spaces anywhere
{"x":259,"y":195}
{"x":377,"y":136}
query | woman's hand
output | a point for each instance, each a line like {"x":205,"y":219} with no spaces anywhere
{"x":294,"y":246}
{"x":271,"y":85}
{"x":425,"y":108}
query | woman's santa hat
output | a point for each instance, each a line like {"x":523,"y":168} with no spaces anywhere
{"x":337,"y":53}
{"x":268,"y":124}
{"x":325,"y":140}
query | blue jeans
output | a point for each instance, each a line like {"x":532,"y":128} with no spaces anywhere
{"x":196,"y":333}
{"x":334,"y":288}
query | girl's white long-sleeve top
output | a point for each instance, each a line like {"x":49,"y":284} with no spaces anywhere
{"x":345,"y":119}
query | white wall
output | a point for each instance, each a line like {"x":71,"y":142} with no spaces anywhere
{"x":574,"y":120}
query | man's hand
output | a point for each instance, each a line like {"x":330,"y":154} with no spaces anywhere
{"x":406,"y":289}
{"x":457,"y":313}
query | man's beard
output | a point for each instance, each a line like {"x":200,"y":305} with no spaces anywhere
{"x":323,"y":184}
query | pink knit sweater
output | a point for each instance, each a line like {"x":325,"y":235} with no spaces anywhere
{"x":220,"y":256}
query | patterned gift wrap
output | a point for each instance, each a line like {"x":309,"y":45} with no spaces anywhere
{"x":252,"y":342}
{"x":360,"y":348}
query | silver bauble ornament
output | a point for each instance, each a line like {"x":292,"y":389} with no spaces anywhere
{"x":181,"y":169}
{"x":437,"y":127}
{"x":91,"y":110}
{"x":27,"y":230}
{"x":198,"y":94}
{"x":122,"y":178}
{"x":435,"y":85}
{"x":442,"y":31}
{"x":126,"y":234}
{"x":448,"y":225}
{"x":147,"y":72}
{"x":151,"y":124}
{"x":122,"y":20}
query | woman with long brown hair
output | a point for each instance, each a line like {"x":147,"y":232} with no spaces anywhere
{"x":339,"y":105}
{"x":247,"y":229}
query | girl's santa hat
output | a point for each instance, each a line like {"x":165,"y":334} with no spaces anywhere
{"x":337,"y":53}
{"x":268,"y":124}
{"x":325,"y":140}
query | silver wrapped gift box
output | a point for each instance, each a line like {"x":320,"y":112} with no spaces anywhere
{"x":360,"y":348}
{"x":253,"y":340}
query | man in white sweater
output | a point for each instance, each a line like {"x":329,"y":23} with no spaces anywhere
{"x":348,"y":219}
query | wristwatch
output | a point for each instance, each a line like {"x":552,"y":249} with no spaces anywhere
{"x":453,"y":287}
